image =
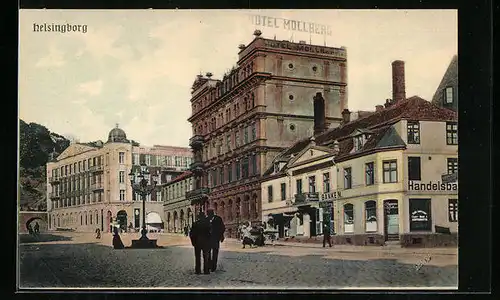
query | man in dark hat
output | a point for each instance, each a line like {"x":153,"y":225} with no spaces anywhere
{"x":216,"y":237}
{"x":200,"y":239}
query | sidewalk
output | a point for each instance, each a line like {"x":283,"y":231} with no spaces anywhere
{"x":364,"y":249}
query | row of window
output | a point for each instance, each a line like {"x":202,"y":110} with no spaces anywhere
{"x":390,"y":171}
{"x":224,"y":86}
{"x":420,"y":215}
{"x":413,"y":130}
{"x":239,"y":169}
{"x":77,"y":167}
{"x":78,"y":200}
{"x":161,"y":160}
{"x":298,"y":185}
{"x":232,"y":140}
{"x":178,"y":189}
{"x":85,"y":219}
{"x":81,"y":182}
{"x":390,"y":175}
{"x":224,"y":117}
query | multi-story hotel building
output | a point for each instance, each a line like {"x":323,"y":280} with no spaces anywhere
{"x":177,"y":210}
{"x":265,"y":104}
{"x":88,"y":185}
{"x":388,"y":176}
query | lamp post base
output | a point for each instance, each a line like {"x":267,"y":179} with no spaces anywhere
{"x":144,"y":244}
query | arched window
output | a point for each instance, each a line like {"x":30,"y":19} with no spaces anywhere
{"x":90,"y":214}
{"x":348,"y":218}
{"x":371,"y":216}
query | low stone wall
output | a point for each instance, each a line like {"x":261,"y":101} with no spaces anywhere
{"x":419,"y":240}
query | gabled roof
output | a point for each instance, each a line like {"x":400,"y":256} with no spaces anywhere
{"x":381,"y":138}
{"x":75,"y":149}
{"x":450,"y":78}
{"x":290,"y":160}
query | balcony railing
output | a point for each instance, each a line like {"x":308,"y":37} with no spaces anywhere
{"x":96,"y":168}
{"x":54,"y":180}
{"x":306,"y":197}
{"x":196,"y":141}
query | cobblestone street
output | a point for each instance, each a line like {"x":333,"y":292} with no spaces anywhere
{"x":65,"y":260}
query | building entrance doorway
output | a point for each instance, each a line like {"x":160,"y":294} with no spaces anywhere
{"x":391,"y":220}
{"x":121,"y":218}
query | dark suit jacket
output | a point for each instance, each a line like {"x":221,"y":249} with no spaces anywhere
{"x":218,"y":229}
{"x":326,"y":231}
{"x":200,"y":233}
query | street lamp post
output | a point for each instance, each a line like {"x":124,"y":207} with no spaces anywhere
{"x":143,"y":183}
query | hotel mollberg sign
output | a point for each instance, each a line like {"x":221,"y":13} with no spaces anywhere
{"x":292,"y":25}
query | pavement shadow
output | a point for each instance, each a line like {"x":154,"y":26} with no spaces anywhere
{"x":25,"y":238}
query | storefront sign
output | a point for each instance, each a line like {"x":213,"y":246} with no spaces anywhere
{"x":432,"y":186}
{"x":419,"y":216}
{"x":330,"y":196}
{"x":293,"y":25}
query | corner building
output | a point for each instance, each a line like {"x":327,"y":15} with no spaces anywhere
{"x":88,"y":185}
{"x":262,"y":106}
{"x":388,"y":177}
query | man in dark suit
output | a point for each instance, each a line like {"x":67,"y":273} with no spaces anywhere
{"x":200,"y":239}
{"x":326,"y":235}
{"x":217,"y":236}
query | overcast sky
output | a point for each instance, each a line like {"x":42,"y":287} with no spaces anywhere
{"x":136,"y":68}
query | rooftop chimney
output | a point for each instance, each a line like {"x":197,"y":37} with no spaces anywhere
{"x":346,"y":116}
{"x":312,"y":141}
{"x":336,"y":146}
{"x":319,"y":114}
{"x":388,"y":103}
{"x":379,"y":107}
{"x":398,"y":81}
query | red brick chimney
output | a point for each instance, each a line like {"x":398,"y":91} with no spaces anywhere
{"x":346,"y":116}
{"x":319,"y":114}
{"x":398,"y":81}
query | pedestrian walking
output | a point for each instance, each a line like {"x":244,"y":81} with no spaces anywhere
{"x":326,"y":235}
{"x":98,"y":233}
{"x":216,"y":237}
{"x":247,"y":235}
{"x":37,"y":228}
{"x":30,"y":229}
{"x":117,"y":241}
{"x":200,"y":239}
{"x":186,"y":230}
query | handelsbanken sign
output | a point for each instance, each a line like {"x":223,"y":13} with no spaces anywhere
{"x":432,"y":186}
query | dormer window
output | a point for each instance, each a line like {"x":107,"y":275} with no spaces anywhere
{"x":448,"y":95}
{"x":358,"y":142}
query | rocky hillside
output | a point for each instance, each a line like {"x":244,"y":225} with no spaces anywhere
{"x":36,"y":146}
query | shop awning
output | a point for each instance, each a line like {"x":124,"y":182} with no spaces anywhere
{"x":153,"y":218}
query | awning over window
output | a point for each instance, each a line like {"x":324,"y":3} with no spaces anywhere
{"x":153,"y":218}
